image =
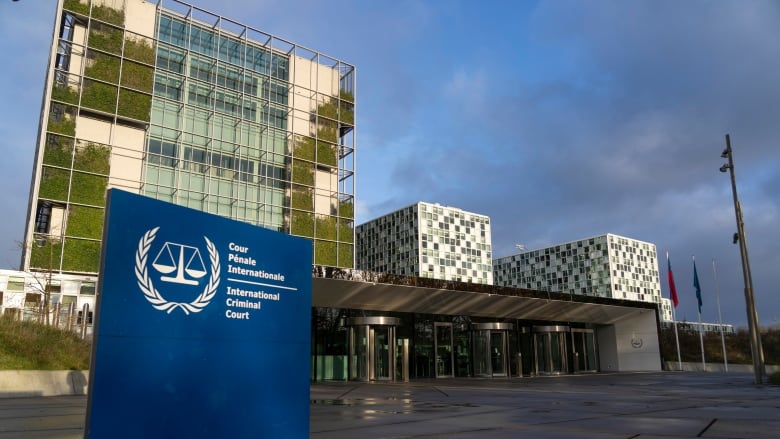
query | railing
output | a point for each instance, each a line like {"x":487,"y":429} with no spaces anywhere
{"x":63,"y":316}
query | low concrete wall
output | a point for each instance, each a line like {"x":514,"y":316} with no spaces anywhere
{"x":19,"y":383}
{"x":718,"y":367}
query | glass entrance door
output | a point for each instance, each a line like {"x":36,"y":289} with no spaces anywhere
{"x":498,"y":353}
{"x":481,"y":353}
{"x":372,"y":348}
{"x":444,"y":352}
{"x":491,"y":348}
{"x":381,"y":335}
{"x":550,"y":349}
{"x":583,"y":345}
{"x":358,"y":353}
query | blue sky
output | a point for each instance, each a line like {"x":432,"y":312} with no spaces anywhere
{"x":560,"y":120}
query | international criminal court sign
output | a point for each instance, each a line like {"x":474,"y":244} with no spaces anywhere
{"x":203,"y":327}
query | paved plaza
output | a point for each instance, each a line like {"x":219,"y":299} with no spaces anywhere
{"x":624,"y":405}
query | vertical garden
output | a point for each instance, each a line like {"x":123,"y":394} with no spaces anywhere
{"x":107,"y":75}
{"x":333,"y":232}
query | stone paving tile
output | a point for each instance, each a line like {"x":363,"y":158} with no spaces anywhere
{"x":642,"y":406}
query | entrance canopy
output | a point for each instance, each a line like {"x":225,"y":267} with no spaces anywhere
{"x":459,"y":298}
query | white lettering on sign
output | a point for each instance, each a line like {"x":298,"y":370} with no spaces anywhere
{"x":237,"y":315}
{"x":241,"y":302}
{"x":261,"y":274}
{"x":238,"y":248}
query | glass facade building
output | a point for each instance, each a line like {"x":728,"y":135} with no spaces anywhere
{"x":171,"y":101}
{"x":603,"y":266}
{"x":429,"y":241}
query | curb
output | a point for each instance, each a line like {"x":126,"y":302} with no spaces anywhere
{"x":25,"y":383}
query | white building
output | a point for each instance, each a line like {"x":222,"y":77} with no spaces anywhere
{"x":22,"y":296}
{"x":427,"y":240}
{"x":666,"y":310}
{"x":603,"y":266}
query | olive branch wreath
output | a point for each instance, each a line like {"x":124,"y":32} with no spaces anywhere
{"x":151,"y":293}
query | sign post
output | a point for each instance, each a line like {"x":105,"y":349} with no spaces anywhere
{"x":203,"y":326}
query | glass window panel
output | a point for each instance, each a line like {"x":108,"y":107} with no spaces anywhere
{"x":172,"y":31}
{"x":168,"y":86}
{"x":258,"y":59}
{"x":198,"y":121}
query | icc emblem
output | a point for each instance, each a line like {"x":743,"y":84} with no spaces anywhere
{"x":179,"y":264}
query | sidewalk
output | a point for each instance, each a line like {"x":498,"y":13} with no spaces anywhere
{"x":635,"y":405}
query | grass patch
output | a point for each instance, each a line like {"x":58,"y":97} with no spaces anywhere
{"x":33,"y":346}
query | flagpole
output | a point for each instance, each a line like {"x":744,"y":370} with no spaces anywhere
{"x":677,"y":339}
{"x":701,"y":327}
{"x":701,"y":340}
{"x":673,"y":297}
{"x":720,"y":320}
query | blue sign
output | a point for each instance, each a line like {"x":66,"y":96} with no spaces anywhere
{"x":203,"y":326}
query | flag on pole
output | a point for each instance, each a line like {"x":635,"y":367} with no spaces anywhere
{"x":672,"y":288}
{"x":696,"y":285}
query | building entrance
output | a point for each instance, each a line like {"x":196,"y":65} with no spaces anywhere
{"x":583,"y":347}
{"x":443,"y":345}
{"x":491,"y":349}
{"x":373,"y":352}
{"x":550,"y":349}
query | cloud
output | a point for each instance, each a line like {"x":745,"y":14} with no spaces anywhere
{"x":560,"y":120}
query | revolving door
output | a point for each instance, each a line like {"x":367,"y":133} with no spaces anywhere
{"x":375,"y":353}
{"x":551,"y":350}
{"x":491,"y":349}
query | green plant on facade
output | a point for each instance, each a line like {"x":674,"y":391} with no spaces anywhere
{"x":103,"y":67}
{"x":302,"y":198}
{"x":65,"y":93}
{"x":303,"y":172}
{"x":62,"y":119}
{"x":54,"y":184}
{"x":325,"y":227}
{"x":304,"y":148}
{"x":65,"y":126}
{"x":346,"y":230}
{"x":58,"y":151}
{"x":81,"y":255}
{"x":99,"y":96}
{"x":346,"y":96}
{"x":92,"y":157}
{"x":326,"y":154}
{"x":77,"y":7}
{"x":139,"y":49}
{"x":347,"y":208}
{"x":137,"y":76}
{"x":327,"y":130}
{"x":88,"y":189}
{"x":302,"y":224}
{"x":100,"y":12}
{"x":105,"y":38}
{"x":345,"y":255}
{"x":45,"y":253}
{"x":347,"y":112}
{"x":85,"y":222}
{"x":328,"y":109}
{"x":134,"y":104}
{"x":325,"y":253}
{"x":108,"y":14}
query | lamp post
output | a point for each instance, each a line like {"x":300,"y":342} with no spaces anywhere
{"x":755,"y":334}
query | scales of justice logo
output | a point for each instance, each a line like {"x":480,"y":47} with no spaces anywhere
{"x":179,"y":264}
